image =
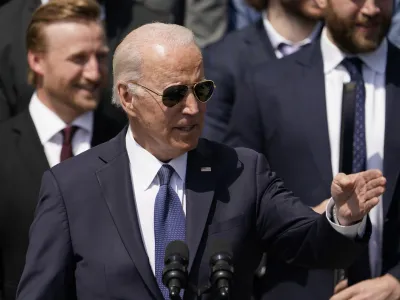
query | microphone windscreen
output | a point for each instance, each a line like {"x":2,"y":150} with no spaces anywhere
{"x":177,"y":248}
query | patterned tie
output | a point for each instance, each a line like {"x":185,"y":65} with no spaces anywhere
{"x":360,"y":270}
{"x":354,"y":67}
{"x":66,"y":150}
{"x":169,"y":221}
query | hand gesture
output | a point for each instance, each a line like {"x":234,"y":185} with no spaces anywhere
{"x":356,"y":194}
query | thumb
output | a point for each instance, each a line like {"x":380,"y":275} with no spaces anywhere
{"x":341,"y":286}
{"x":345,"y":182}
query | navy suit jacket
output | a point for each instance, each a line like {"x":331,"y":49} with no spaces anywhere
{"x":225,"y":63}
{"x":85,"y":241}
{"x":22,"y":164}
{"x":282,"y":114}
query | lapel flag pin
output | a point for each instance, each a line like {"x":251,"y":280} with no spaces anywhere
{"x":205,"y":169}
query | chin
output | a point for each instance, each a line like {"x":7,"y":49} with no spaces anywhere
{"x":87,"y":104}
{"x":365,"y":45}
{"x":186,"y":146}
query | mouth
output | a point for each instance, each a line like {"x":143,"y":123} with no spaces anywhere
{"x":186,"y":128}
{"x":89,"y":88}
{"x":368,"y":25}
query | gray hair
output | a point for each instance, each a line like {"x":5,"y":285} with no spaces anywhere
{"x":127,"y":60}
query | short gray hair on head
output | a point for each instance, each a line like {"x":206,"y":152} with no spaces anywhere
{"x":128,"y":57}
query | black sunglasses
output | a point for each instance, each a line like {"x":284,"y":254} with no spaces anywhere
{"x":174,"y":94}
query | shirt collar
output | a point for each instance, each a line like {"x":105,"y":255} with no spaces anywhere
{"x":333,"y":56}
{"x":48,"y":123}
{"x":276,"y":39}
{"x":148,"y":165}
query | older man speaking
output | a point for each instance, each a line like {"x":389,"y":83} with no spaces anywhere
{"x":105,"y":217}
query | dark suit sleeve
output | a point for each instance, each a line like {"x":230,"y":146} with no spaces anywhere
{"x":48,"y":272}
{"x":395,"y":271}
{"x":245,"y":126}
{"x":294,"y":232}
{"x":220,"y":105}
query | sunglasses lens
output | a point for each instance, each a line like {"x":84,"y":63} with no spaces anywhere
{"x":204,"y":90}
{"x":174,"y":94}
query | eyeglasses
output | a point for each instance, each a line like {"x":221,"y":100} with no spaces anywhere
{"x":174,"y":94}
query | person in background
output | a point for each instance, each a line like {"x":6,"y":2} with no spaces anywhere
{"x":67,"y":56}
{"x":211,"y":20}
{"x":332,"y":107}
{"x":285,"y":27}
{"x":394,"y":33}
{"x":119,"y":16}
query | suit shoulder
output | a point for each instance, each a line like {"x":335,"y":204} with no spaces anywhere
{"x":8,"y":126}
{"x":230,"y":43}
{"x":225,"y":154}
{"x":88,"y":161}
{"x":278,"y":71}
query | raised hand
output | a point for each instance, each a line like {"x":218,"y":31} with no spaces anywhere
{"x":356,"y":194}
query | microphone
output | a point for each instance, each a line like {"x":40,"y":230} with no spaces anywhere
{"x":221,"y":269}
{"x":175,"y":274}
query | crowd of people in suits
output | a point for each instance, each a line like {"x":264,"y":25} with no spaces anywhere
{"x":311,"y":85}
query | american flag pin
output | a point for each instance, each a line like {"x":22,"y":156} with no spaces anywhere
{"x":205,"y":169}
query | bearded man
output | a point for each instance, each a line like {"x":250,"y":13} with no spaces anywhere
{"x":332,"y":107}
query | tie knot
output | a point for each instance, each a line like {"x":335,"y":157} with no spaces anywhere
{"x":68,"y":133}
{"x":165,"y":174}
{"x":354,"y":67}
{"x":285,"y":49}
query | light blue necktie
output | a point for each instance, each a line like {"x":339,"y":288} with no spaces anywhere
{"x":169,"y":221}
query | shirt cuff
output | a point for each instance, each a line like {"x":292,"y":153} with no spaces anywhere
{"x":351,"y":231}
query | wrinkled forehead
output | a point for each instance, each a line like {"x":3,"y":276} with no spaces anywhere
{"x":178,"y":64}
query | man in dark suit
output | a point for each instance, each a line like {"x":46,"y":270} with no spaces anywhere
{"x":120,"y":17}
{"x":285,"y":27}
{"x":69,"y":73}
{"x":105,"y":217}
{"x":299,"y":112}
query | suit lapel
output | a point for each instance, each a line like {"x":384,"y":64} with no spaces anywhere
{"x":391,"y":162}
{"x":259,"y":46}
{"x":312,"y":91}
{"x":29,"y":146}
{"x":116,"y":184}
{"x":200,"y":185}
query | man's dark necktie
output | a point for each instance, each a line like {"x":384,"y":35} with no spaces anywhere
{"x":169,"y":221}
{"x":360,"y":270}
{"x":66,"y":150}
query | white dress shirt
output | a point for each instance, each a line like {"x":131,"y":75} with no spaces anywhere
{"x":276,"y":39}
{"x":49,"y":125}
{"x":144,"y":168}
{"x":374,"y":65}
